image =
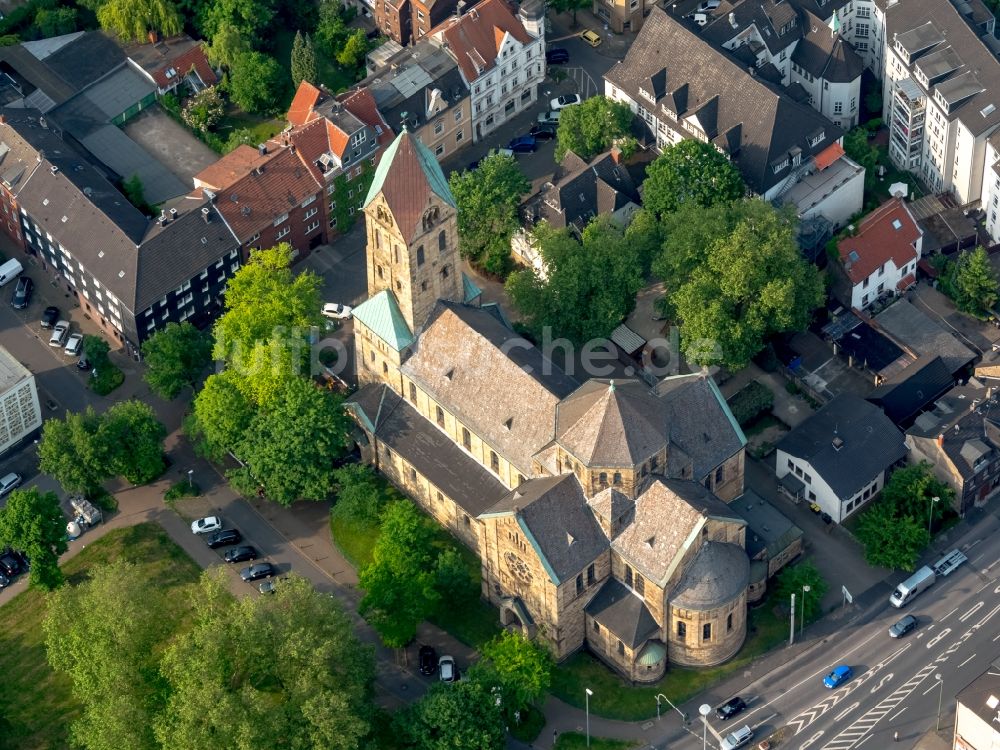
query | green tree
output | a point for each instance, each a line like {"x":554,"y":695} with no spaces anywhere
{"x":974,"y":282}
{"x":589,"y":287}
{"x":73,"y":452}
{"x":95,"y":350}
{"x":593,"y":126}
{"x":889,"y":540}
{"x":221,"y":416}
{"x":55,"y":21}
{"x":911,"y":490}
{"x":399,"y":582}
{"x":132,"y":20}
{"x":104,"y":635}
{"x":240,"y":137}
{"x":645,"y":234}
{"x":569,"y":6}
{"x":134,"y":440}
{"x":690,"y":171}
{"x":227,"y":45}
{"x":461,"y":715}
{"x":34,"y":523}
{"x":353,"y":50}
{"x":303,"y":62}
{"x":487,"y":200}
{"x":453,"y":580}
{"x":250,"y":19}
{"x":331,"y":31}
{"x":307,"y":684}
{"x":136,"y":193}
{"x":791,"y":580}
{"x":360,"y":496}
{"x":257,"y":83}
{"x":290,"y":447}
{"x":857,"y":146}
{"x":175,"y":356}
{"x":522,"y":667}
{"x":753,"y":283}
{"x":204,"y":110}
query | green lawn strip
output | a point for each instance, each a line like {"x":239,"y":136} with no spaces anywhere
{"x":577,"y":741}
{"x":354,"y":540}
{"x":37,"y":702}
{"x":263,"y":128}
{"x":614,"y":698}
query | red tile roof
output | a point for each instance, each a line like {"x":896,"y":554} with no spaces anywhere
{"x":361,"y":104}
{"x":180,"y":53}
{"x":829,"y":155}
{"x":906,"y":282}
{"x":228,"y":169}
{"x":477,"y":35}
{"x":300,"y":111}
{"x":888,"y":233}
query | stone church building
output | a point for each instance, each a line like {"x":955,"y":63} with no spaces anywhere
{"x":598,"y":508}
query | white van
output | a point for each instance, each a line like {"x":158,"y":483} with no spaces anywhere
{"x":736,"y":739}
{"x":908,"y":590}
{"x":10,"y":270}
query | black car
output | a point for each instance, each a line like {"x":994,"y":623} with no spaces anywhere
{"x":428,"y":660}
{"x":83,"y":363}
{"x":240,"y":554}
{"x":731,"y":708}
{"x":543,"y":132}
{"x":903,"y":626}
{"x":22,"y":293}
{"x":9,"y":565}
{"x":4,"y":581}
{"x":557,"y":56}
{"x":50,"y":316}
{"x":224,"y":538}
{"x":257,"y":571}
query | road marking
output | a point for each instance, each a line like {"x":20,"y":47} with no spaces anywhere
{"x":972,"y":611}
{"x":846,"y":711}
{"x":763,"y":721}
{"x":949,"y":614}
{"x":811,"y":740}
{"x":933,"y":641}
{"x":991,"y":565}
{"x":867,"y":737}
{"x":881,"y":683}
{"x":897,"y":714}
{"x":997,"y":638}
{"x":966,"y":661}
{"x":932,"y":687}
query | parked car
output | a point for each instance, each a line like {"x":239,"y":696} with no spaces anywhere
{"x":557,"y":56}
{"x":74,"y":345}
{"x":523,"y":144}
{"x":549,"y":118}
{"x":566,"y":100}
{"x":240,"y":554}
{"x":9,"y":565}
{"x":707,"y":5}
{"x":257,"y":571}
{"x":591,"y":37}
{"x":543,"y":132}
{"x":8,"y":482}
{"x":83,"y":363}
{"x":59,"y":333}
{"x":206,"y":525}
{"x":268,"y":586}
{"x":49,"y":316}
{"x":838,"y":676}
{"x":4,"y":581}
{"x":428,"y":660}
{"x":337,"y":311}
{"x":731,"y":708}
{"x":740,"y":738}
{"x":447,"y":671}
{"x":223,"y":538}
{"x":22,"y":293}
{"x":902,"y":626}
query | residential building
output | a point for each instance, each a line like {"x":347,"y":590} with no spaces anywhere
{"x":977,"y":712}
{"x":772,"y":540}
{"x":841,"y":455}
{"x":501,"y":58}
{"x":427,"y":14}
{"x":920,"y":335}
{"x":880,"y":257}
{"x":907,"y":392}
{"x":597,"y":508}
{"x":20,"y":414}
{"x":960,"y":439}
{"x":423,"y":88}
{"x":394,"y":18}
{"x":621,"y":16}
{"x":169,"y":63}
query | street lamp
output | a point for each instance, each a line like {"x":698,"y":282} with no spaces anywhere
{"x":940,"y":683}
{"x":930,"y":515}
{"x":704,"y":709}
{"x":805,"y":590}
{"x":190,"y":480}
{"x":664,"y":698}
{"x":587,"y":699}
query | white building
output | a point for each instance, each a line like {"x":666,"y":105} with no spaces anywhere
{"x":20,"y":414}
{"x":841,"y":455}
{"x":501,"y":58}
{"x":977,"y":712}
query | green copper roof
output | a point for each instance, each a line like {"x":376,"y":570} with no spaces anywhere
{"x":469,"y":288}
{"x":382,"y":316}
{"x":652,"y":654}
{"x":408,"y":146}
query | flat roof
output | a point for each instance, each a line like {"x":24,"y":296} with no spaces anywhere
{"x":12,"y":372}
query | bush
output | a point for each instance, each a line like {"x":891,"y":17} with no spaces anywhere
{"x":751,"y":401}
{"x":106,"y":380}
{"x":180,"y":490}
{"x":532,"y":723}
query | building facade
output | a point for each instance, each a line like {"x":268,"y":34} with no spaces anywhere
{"x":977,"y":712}
{"x":621,"y":15}
{"x":20,"y":413}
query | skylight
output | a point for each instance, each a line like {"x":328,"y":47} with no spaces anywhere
{"x":897,"y":224}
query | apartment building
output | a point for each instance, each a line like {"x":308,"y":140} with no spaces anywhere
{"x":621,"y":15}
{"x":20,"y":414}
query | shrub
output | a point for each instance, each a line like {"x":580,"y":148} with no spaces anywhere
{"x":106,"y":380}
{"x":751,"y":401}
{"x":180,"y":490}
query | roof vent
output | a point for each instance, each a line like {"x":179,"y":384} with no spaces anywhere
{"x":245,"y":210}
{"x":838,"y":443}
{"x":450,"y":373}
{"x":173,"y":214}
{"x":732,"y":21}
{"x":53,"y":169}
{"x":262,"y":149}
{"x":206,"y":215}
{"x":163,"y":219}
{"x":650,"y":542}
{"x":234,"y":198}
{"x":569,"y":539}
{"x":509,"y":423}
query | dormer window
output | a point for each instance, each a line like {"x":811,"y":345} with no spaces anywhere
{"x":818,"y":138}
{"x":646,"y":95}
{"x":778,"y":166}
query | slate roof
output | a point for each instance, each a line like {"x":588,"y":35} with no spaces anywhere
{"x":475,"y":38}
{"x":612,"y":423}
{"x":382,"y":316}
{"x":553,"y":513}
{"x":909,"y":391}
{"x":915,"y":330}
{"x":888,"y":233}
{"x":428,"y":450}
{"x":871,"y":349}
{"x":825,"y":54}
{"x":178,"y":52}
{"x":416,"y":175}
{"x":668,"y":514}
{"x":585,"y":190}
{"x":623,"y":613}
{"x":86,"y":59}
{"x":770,"y":18}
{"x":488,"y":375}
{"x":749,"y":119}
{"x":768,"y":529}
{"x":982,"y":697}
{"x":871,"y":443}
{"x":719,"y":574}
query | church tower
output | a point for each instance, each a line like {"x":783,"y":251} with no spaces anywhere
{"x":412,"y":257}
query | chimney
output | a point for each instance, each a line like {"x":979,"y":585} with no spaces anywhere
{"x":616,"y":155}
{"x":940,"y":440}
{"x":291,"y":148}
{"x":163,"y":218}
{"x":262,"y":149}
{"x":206,"y":214}
{"x":173,"y":214}
{"x":54,"y":169}
{"x":153,"y":37}
{"x":3,"y":119}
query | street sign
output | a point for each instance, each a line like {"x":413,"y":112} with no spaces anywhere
{"x":848,"y":599}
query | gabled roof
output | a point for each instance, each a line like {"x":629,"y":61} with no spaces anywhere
{"x":623,"y":613}
{"x":474,"y":39}
{"x":361,"y":104}
{"x":228,"y":169}
{"x":770,"y":123}
{"x":407,"y":176}
{"x":307,"y":96}
{"x":824,"y":53}
{"x":178,"y":53}
{"x":382,"y":316}
{"x":585,"y":190}
{"x":887,"y":233}
{"x":848,"y":443}
{"x":910,"y":390}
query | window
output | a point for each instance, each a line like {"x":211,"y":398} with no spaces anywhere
{"x":458,"y":115}
{"x":729,"y":623}
{"x":442,"y":241}
{"x":413,"y":393}
{"x":466,"y":439}
{"x":621,"y":648}
{"x":282,"y":232}
{"x":444,"y":272}
{"x":310,"y":213}
{"x":420,"y":255}
{"x":602,"y":478}
{"x":617,"y":479}
{"x":838,"y":108}
{"x":312,"y":227}
{"x":706,"y":631}
{"x":597,"y":627}
{"x":590,"y":575}
{"x":385,"y":369}
{"x":682,"y":629}
{"x":579,"y":584}
{"x":459,"y":136}
{"x":438,"y":127}
{"x":640,"y":585}
{"x":719,"y":474}
{"x":413,"y":475}
{"x":628,"y":576}
{"x":440,"y":416}
{"x":439,"y":151}
{"x":494,"y":462}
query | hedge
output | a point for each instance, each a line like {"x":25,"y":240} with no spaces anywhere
{"x":750,"y":402}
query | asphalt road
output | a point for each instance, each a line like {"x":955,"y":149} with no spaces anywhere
{"x":895,"y":686}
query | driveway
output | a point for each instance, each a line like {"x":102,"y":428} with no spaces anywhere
{"x":172,"y":145}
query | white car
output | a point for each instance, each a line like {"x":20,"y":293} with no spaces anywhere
{"x":337,"y":311}
{"x":59,"y":333}
{"x":205,"y":525}
{"x":446,"y":669}
{"x":566,"y":100}
{"x":74,"y":344}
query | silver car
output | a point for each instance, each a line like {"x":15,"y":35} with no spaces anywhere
{"x":59,"y":333}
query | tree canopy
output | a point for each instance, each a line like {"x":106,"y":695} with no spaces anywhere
{"x":522,"y":669}
{"x":569,"y":6}
{"x":593,"y":126}
{"x":33,"y":523}
{"x":221,"y":416}
{"x":303,"y":62}
{"x":359,"y":494}
{"x":257,"y":83}
{"x":175,"y":356}
{"x":465,"y":714}
{"x":790,"y":581}
{"x":487,"y":199}
{"x":690,"y":172}
{"x":71,"y":451}
{"x":974,"y":283}
{"x":134,"y":439}
{"x":204,"y":110}
{"x":132,"y":20}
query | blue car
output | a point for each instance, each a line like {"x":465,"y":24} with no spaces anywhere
{"x":524,"y":144}
{"x":838,"y":676}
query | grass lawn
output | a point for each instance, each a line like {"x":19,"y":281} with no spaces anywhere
{"x":37,"y":703}
{"x":235,"y":119}
{"x":614,"y":698}
{"x":577,"y":741}
{"x":762,"y":423}
{"x":354,"y":540}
